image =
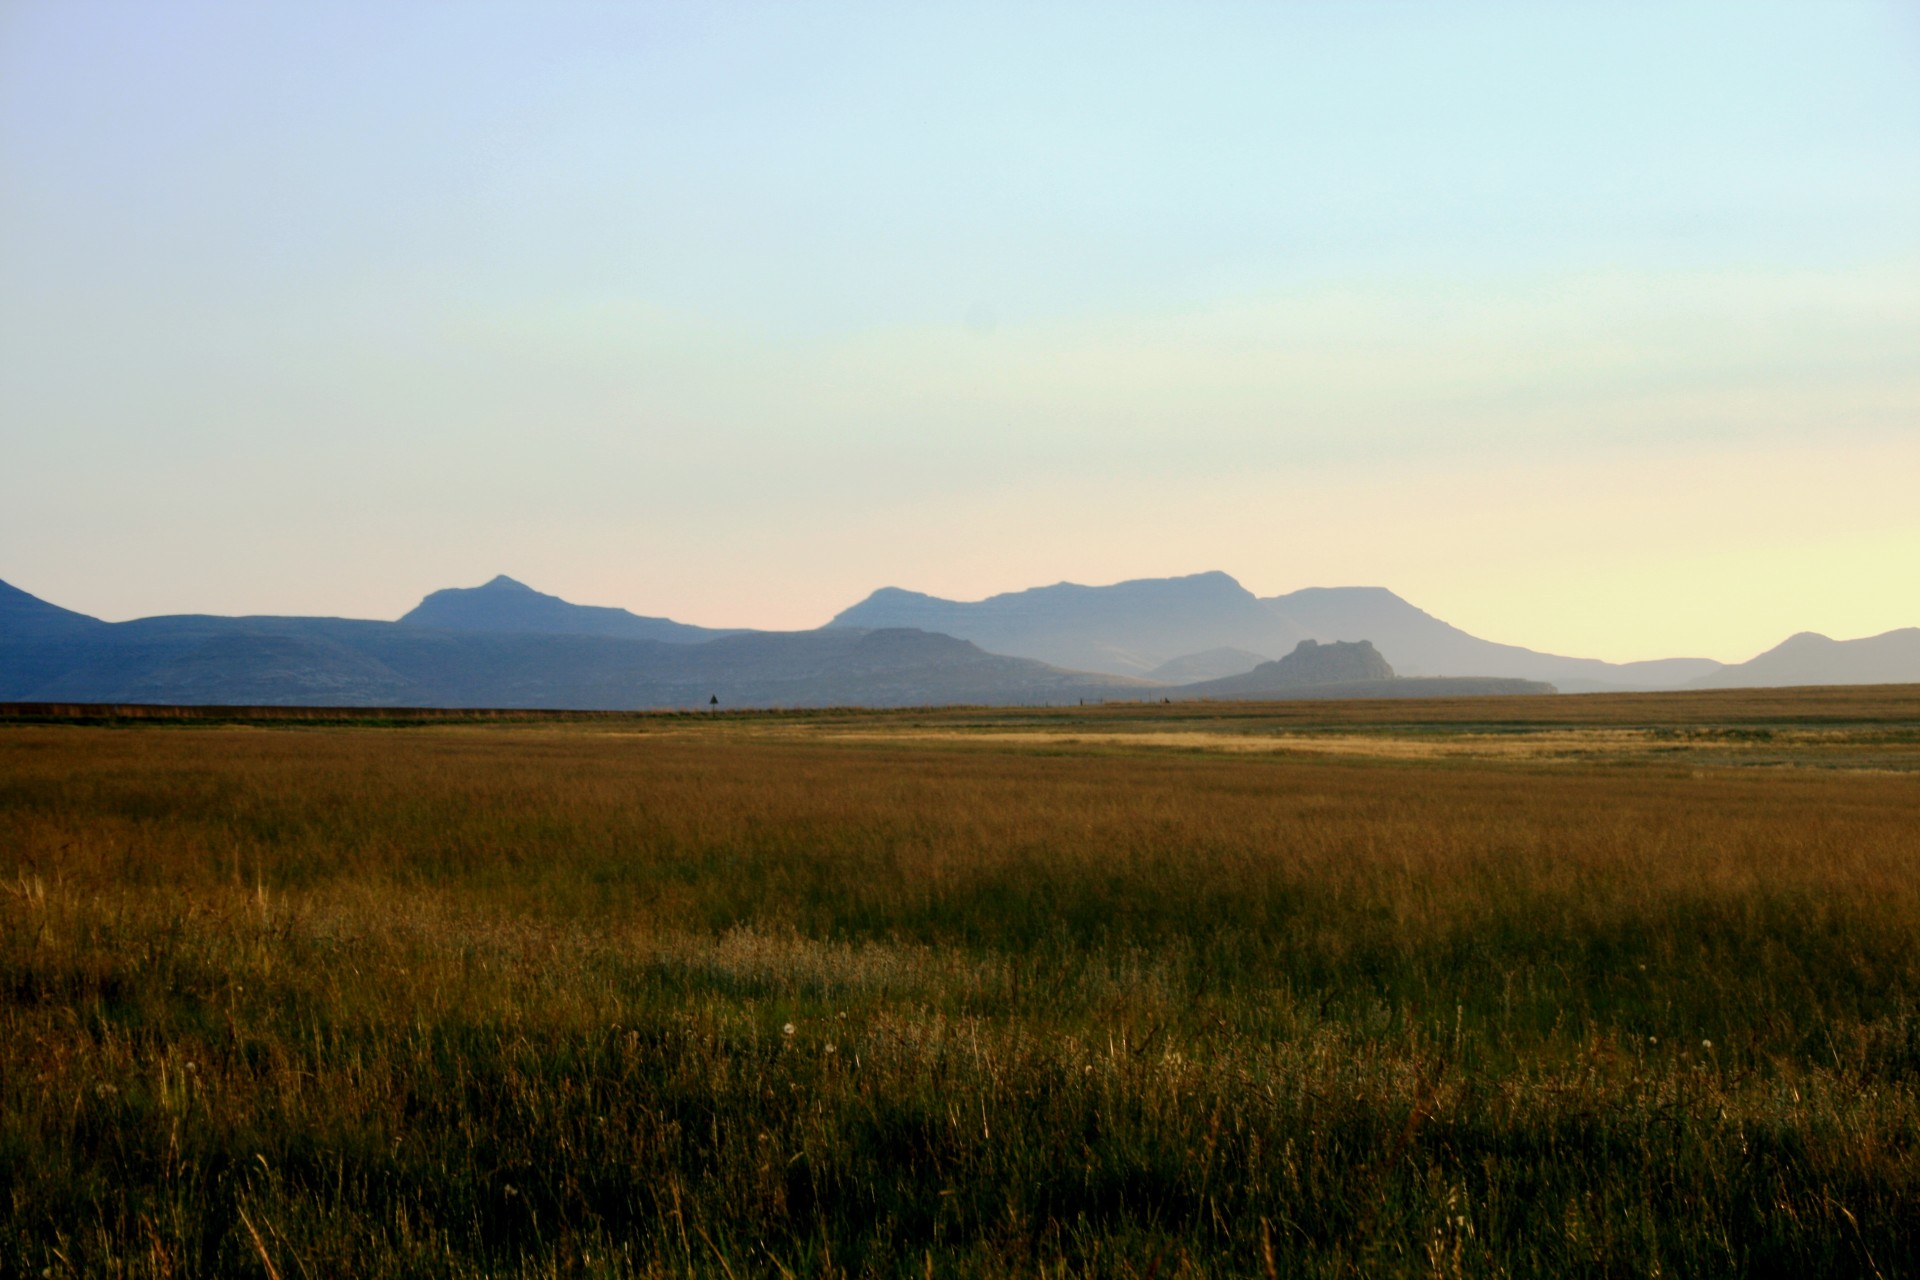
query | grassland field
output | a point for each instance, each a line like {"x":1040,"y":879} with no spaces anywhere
{"x":1527,"y":987}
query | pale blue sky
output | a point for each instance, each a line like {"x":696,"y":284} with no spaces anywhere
{"x":1589,"y":326}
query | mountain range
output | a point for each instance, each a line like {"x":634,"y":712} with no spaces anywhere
{"x":1156,"y":627}
{"x":1893,"y":657}
{"x":504,"y":644}
{"x":488,"y":660}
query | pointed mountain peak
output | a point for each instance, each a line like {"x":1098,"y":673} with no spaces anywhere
{"x":22,"y":612}
{"x":897,"y":593}
{"x":507,"y":605}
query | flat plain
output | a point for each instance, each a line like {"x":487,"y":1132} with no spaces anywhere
{"x":1557,"y":986}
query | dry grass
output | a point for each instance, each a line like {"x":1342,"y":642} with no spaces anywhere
{"x":1822,"y":748}
{"x":514,"y":1000}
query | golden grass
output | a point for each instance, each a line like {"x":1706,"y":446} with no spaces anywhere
{"x":1823,"y":748}
{"x":514,"y":999}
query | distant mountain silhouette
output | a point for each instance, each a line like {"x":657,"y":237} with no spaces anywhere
{"x":1348,"y":669}
{"x":39,"y":640}
{"x":1208,"y":664}
{"x":1314,"y":663}
{"x":1419,"y":644}
{"x":504,"y":605}
{"x":1134,"y":628}
{"x":1128,"y":629}
{"x":50,"y":655}
{"x":1311,"y":663}
{"x":23,"y":615}
{"x":264,"y":662}
{"x":1892,"y":657}
{"x":507,"y":645}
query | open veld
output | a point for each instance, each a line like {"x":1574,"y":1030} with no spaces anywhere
{"x":1529,"y":987}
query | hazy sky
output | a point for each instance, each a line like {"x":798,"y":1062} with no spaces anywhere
{"x":1591,"y":327}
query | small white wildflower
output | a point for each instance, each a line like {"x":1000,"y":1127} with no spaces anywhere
{"x":1653,"y":1039}
{"x":833,"y":1049}
{"x":1706,"y":1044}
{"x":787,"y":1030}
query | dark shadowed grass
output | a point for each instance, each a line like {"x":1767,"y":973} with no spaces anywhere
{"x":515,"y":1001}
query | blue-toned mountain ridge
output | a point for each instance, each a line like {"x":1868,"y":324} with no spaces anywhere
{"x":534,"y":652}
{"x":505,"y":644}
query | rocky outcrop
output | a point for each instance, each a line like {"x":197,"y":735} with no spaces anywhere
{"x":1310,"y":665}
{"x":1342,"y":662}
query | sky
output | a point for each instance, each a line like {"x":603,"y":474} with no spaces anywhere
{"x":1590,"y":327}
